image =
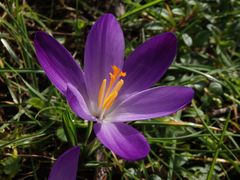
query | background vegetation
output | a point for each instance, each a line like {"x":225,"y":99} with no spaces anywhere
{"x":199,"y":142}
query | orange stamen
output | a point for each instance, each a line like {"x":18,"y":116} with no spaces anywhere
{"x":107,"y":95}
{"x":118,"y":86}
{"x":101,"y":92}
{"x":117,"y":73}
{"x":110,"y":99}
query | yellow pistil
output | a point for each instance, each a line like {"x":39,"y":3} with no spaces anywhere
{"x":107,"y":95}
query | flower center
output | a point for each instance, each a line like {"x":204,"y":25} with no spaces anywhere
{"x":107,"y":95}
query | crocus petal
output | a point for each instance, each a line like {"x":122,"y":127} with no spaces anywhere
{"x":58,"y":63}
{"x":147,"y":64}
{"x":152,"y":103}
{"x":77,"y":103}
{"x":65,"y":168}
{"x":104,"y":48}
{"x":123,"y":140}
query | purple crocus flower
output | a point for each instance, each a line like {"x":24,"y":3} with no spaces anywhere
{"x":65,"y":168}
{"x":111,"y":91}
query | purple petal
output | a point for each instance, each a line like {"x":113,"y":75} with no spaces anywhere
{"x":152,"y":103}
{"x":104,"y":48}
{"x":65,"y":168}
{"x":58,"y":63}
{"x":123,"y":140}
{"x":147,"y":64}
{"x":77,"y":103}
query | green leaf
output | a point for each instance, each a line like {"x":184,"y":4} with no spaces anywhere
{"x":69,"y":129}
{"x":10,"y":165}
{"x":36,"y":102}
{"x":187,"y":39}
{"x":61,"y":135}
